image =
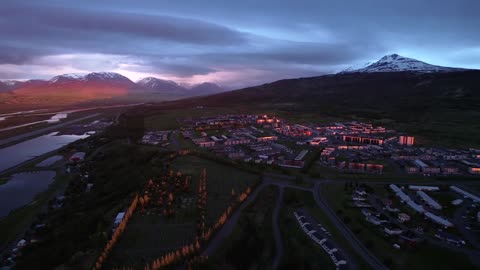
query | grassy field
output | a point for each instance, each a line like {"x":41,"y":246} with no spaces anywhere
{"x":3,"y":180}
{"x":221,"y":179}
{"x":424,"y":256}
{"x":150,"y":235}
{"x":251,"y":244}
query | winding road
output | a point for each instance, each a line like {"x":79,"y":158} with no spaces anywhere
{"x":228,"y":227}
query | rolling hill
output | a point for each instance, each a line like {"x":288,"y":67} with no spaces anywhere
{"x":439,"y":105}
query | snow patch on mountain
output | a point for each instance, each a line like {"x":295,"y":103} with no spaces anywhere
{"x":398,"y":63}
{"x":102,"y":76}
{"x":153,"y":82}
{"x":67,"y":77}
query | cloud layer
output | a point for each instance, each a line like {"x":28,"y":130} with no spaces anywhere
{"x":235,"y":44}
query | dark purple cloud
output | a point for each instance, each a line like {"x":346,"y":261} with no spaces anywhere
{"x":264,"y":40}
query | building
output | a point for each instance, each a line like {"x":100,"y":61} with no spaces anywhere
{"x":361,"y":191}
{"x":365,"y":140}
{"x":451,"y":239}
{"x":474,"y":170}
{"x":449,"y":170}
{"x":465,"y":194}
{"x":392,"y":230}
{"x":402,"y":217}
{"x":366,"y":212}
{"x":406,"y":140}
{"x":203,"y":142}
{"x":292,"y":163}
{"x":439,"y":220}
{"x":457,"y":202}
{"x":409,"y":168}
{"x":118,"y":219}
{"x":427,"y":168}
{"x":374,"y":220}
{"x":354,"y":166}
{"x":77,"y":157}
{"x":410,"y":238}
{"x":429,"y":200}
{"x":423,"y":188}
{"x":374,"y":168}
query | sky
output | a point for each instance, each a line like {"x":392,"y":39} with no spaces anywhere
{"x":232,"y":43}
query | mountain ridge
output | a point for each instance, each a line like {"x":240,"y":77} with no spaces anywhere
{"x":77,"y":87}
{"x":398,"y":63}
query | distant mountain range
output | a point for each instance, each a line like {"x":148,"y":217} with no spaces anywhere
{"x":104,"y":85}
{"x":383,"y":83}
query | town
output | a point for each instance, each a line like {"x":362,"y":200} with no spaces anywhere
{"x":353,"y":193}
{"x":349,"y":147}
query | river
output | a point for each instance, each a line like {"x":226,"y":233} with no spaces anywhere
{"x":13,"y":155}
{"x":22,"y":188}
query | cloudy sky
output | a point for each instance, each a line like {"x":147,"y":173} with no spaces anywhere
{"x":232,"y":43}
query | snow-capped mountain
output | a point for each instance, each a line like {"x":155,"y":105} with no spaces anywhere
{"x":354,"y":68}
{"x":398,"y":63}
{"x":9,"y":85}
{"x":78,"y":87}
{"x":95,"y":76}
{"x":67,"y":78}
{"x":171,"y":87}
{"x":206,"y":88}
{"x":106,"y":76}
{"x":155,"y":84}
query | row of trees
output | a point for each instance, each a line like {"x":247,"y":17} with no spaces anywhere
{"x":183,"y":253}
{"x":117,"y":233}
{"x":202,"y":201}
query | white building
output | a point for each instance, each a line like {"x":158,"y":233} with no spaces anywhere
{"x":438,"y":220}
{"x":465,"y":193}
{"x":429,"y":200}
{"x":423,"y":188}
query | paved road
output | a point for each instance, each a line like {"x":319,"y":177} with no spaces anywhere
{"x":276,"y":230}
{"x":230,"y":224}
{"x":174,"y":140}
{"x":346,"y":232}
{"x":44,"y":130}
